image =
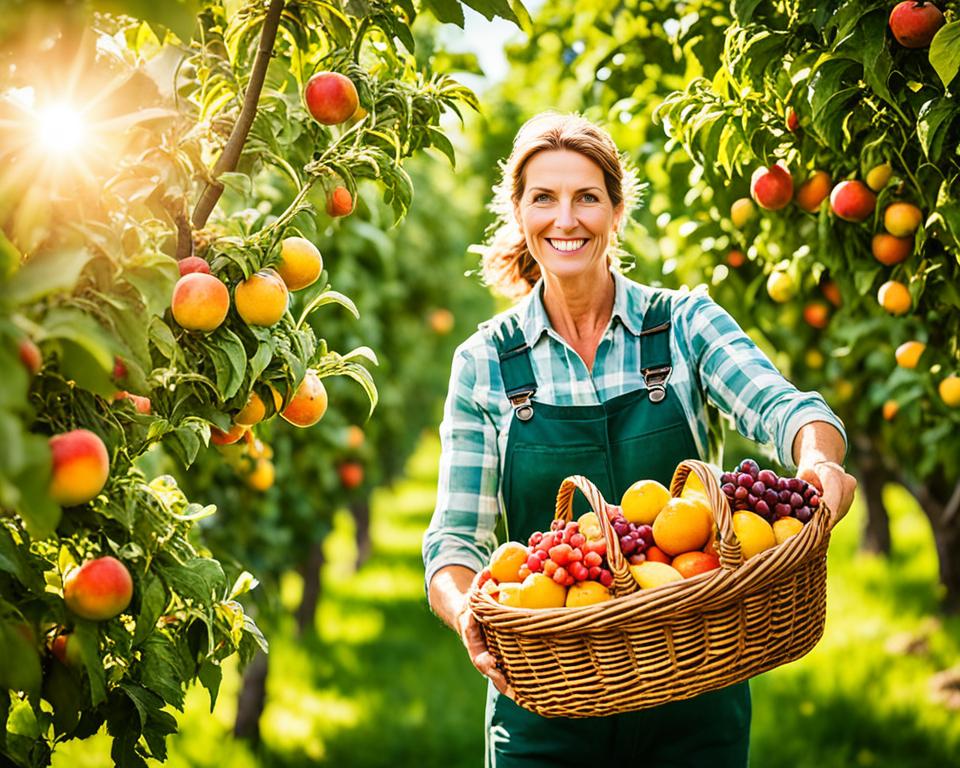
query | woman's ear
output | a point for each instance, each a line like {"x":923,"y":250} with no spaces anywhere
{"x":618,"y":216}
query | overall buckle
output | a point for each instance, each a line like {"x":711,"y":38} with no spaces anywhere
{"x":522,"y":406}
{"x":656,"y":380}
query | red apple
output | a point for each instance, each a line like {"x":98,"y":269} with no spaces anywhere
{"x":331,"y":98}
{"x":915,"y":23}
{"x":853,"y":201}
{"x":771,"y":188}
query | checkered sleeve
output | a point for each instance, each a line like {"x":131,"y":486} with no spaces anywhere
{"x":462,"y":530}
{"x":739,"y":379}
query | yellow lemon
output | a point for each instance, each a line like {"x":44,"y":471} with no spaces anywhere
{"x":643,"y":501}
{"x":651,"y":574}
{"x":754,"y":533}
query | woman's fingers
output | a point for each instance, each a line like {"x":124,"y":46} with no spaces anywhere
{"x":836,"y":486}
{"x":482,"y":659}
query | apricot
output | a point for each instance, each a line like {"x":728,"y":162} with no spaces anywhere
{"x":786,"y":527}
{"x":814,"y":191}
{"x":506,"y":560}
{"x":816,"y":314}
{"x":331,"y":98}
{"x":587,"y":593}
{"x":251,"y":413}
{"x":742,"y":211}
{"x":914,"y":24}
{"x":308,"y":403}
{"x":853,"y":201}
{"x":902,"y":219}
{"x":771,"y":188}
{"x":908,"y":354}
{"x":831,"y":292}
{"x":894,"y":297}
{"x":540,"y":591}
{"x":780,"y":286}
{"x":200,"y":302}
{"x":261,"y":298}
{"x":340,"y":202}
{"x":140,"y":403}
{"x":890,"y":409}
{"x":878,"y":176}
{"x":99,"y":589}
{"x":890,"y":250}
{"x":192,"y":264}
{"x":682,"y":525}
{"x":232,"y":435}
{"x":642,"y":501}
{"x":262,"y":477}
{"x":949,"y":390}
{"x":81,"y":467}
{"x":650,"y":574}
{"x":355,"y":437}
{"x":30,"y":356}
{"x":694,"y":563}
{"x":754,"y":533}
{"x":300,"y":263}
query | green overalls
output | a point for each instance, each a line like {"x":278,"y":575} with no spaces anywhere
{"x":640,"y":434}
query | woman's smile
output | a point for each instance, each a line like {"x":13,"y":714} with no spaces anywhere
{"x":567,"y":245}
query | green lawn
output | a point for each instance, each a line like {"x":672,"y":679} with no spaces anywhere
{"x":386,"y":684}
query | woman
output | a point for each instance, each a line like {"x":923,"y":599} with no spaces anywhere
{"x":593,"y":374}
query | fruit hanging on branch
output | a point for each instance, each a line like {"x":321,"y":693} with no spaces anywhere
{"x":81,"y":466}
{"x":331,"y":98}
{"x":340,"y":202}
{"x":853,"y":201}
{"x":915,"y":23}
{"x":262,"y":298}
{"x":814,"y":191}
{"x":300,"y":263}
{"x":308,"y":403}
{"x":200,"y":302}
{"x":894,"y":297}
{"x":742,"y":211}
{"x":193,"y":264}
{"x":902,"y":219}
{"x":772,"y":188}
{"x":890,"y":250}
{"x":99,"y":589}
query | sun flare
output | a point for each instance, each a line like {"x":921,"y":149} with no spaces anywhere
{"x":62,"y":129}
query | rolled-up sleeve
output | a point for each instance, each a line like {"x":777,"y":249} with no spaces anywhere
{"x":462,"y":530}
{"x":739,"y":379}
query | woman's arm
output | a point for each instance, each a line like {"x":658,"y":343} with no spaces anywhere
{"x":818,"y":450}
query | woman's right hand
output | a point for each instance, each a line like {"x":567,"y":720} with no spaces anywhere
{"x":469,"y":629}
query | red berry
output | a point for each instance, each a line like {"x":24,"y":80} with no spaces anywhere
{"x":591,"y":559}
{"x":560,"y":575}
{"x":606,"y":578}
{"x":595,"y":571}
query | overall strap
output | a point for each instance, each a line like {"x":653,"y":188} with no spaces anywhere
{"x":655,"y":346}
{"x":515,"y":367}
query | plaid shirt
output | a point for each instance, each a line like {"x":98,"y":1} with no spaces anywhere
{"x":714,"y":364}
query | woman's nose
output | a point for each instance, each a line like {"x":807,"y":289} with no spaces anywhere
{"x":565,"y":217}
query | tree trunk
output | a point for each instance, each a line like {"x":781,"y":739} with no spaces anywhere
{"x":872,"y":476}
{"x":941,"y":504}
{"x":361,"y":517}
{"x":253,"y":699}
{"x":311,"y":571}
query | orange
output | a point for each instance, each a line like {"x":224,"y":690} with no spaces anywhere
{"x":252,"y":412}
{"x":692,"y":563}
{"x":786,"y":527}
{"x":894,"y":297}
{"x":682,"y":525}
{"x":657,"y":555}
{"x":587,"y":593}
{"x":643,"y":501}
{"x":949,"y":390}
{"x":908,"y":353}
{"x":300,"y":263}
{"x":506,"y":560}
{"x":754,"y":533}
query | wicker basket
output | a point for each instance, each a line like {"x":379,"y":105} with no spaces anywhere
{"x":649,"y":647}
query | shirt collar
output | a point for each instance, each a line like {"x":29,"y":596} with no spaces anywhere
{"x":630,"y":300}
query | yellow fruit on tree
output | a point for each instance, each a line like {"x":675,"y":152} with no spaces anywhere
{"x":908,"y":353}
{"x":902,"y":219}
{"x":878,"y":176}
{"x":786,"y":527}
{"x":587,"y":593}
{"x":894,"y":297}
{"x":252,"y":413}
{"x":650,"y":574}
{"x":780,"y":286}
{"x":890,"y":409}
{"x":643,"y":501}
{"x":262,"y":476}
{"x":754,"y":533}
{"x":300,"y":263}
{"x":949,"y":390}
{"x":742,"y":211}
{"x":261,"y":299}
{"x":540,"y":591}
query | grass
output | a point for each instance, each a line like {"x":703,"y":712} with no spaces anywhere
{"x":384,"y":683}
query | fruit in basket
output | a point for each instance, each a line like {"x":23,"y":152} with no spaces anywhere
{"x":509,"y":593}
{"x":649,"y":574}
{"x":786,"y":527}
{"x":755,"y":533}
{"x":682,"y":525}
{"x":694,"y":563}
{"x":693,"y":488}
{"x":506,"y":560}
{"x":541,"y":591}
{"x":657,"y":555}
{"x":764,"y":492}
{"x":587,"y":593}
{"x":634,"y":538}
{"x":642,"y":501}
{"x":590,"y":526}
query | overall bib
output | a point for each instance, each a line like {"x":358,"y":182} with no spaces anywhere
{"x":639,"y":434}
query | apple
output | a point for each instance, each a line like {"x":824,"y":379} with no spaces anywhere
{"x":915,"y":23}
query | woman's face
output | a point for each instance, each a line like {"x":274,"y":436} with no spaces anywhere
{"x":566,"y":215}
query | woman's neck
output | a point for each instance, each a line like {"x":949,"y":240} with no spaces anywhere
{"x":579,"y":310}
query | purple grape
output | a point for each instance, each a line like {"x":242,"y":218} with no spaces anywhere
{"x":636,"y":558}
{"x":751,"y":500}
{"x":804,"y":514}
{"x":739,"y":505}
{"x":728,"y":489}
{"x":796,"y":500}
{"x":762,"y":509}
{"x":793,"y":483}
{"x":783,"y":484}
{"x":768,"y":477}
{"x":727,"y":477}
{"x":749,"y":465}
{"x":635,"y":535}
{"x":758,"y":489}
{"x":744,"y":481}
{"x":782,"y":510}
{"x":808,"y":491}
{"x":785,"y":497}
{"x":627,"y":545}
{"x":771,"y":497}
{"x":621,"y":527}
{"x":741,"y":493}
{"x":814,"y":501}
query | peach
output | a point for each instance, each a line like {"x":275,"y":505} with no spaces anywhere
{"x":831,"y":292}
{"x":251,"y":413}
{"x":355,"y":437}
{"x":817,"y":314}
{"x":853,"y":201}
{"x":908,"y":354}
{"x":200,"y":302}
{"x":506,"y":560}
{"x":949,"y":390}
{"x":340,"y":202}
{"x":99,"y":589}
{"x":232,"y":435}
{"x":914,"y":24}
{"x":786,"y":527}
{"x":587,"y":593}
{"x":30,"y":355}
{"x":890,"y":409}
{"x":902,"y":219}
{"x":510,"y":593}
{"x":193,"y":264}
{"x":261,"y":298}
{"x":736,"y":258}
{"x":742,"y":211}
{"x":814,"y":191}
{"x":300,"y":263}
{"x":890,"y":250}
{"x":540,"y":591}
{"x":351,"y":474}
{"x":81,"y":466}
{"x":878,"y":176}
{"x":68,"y":653}
{"x":308,"y":403}
{"x":694,"y":563}
{"x":262,"y":477}
{"x":894,"y":297}
{"x":331,"y":98}
{"x":140,"y":403}
{"x":771,"y":188}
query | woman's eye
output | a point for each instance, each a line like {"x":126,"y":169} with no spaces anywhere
{"x":589,"y":197}
{"x":542,"y":197}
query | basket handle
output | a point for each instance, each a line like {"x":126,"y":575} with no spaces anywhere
{"x":731,"y":554}
{"x":623,"y":581}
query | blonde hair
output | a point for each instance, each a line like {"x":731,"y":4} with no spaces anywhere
{"x":507,"y":263}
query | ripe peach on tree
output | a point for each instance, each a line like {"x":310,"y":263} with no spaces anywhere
{"x":331,"y":97}
{"x":890,"y":250}
{"x":772,"y":187}
{"x":200,"y":302}
{"x":308,"y":403}
{"x":814,"y":191}
{"x":262,"y":298}
{"x":81,"y":466}
{"x":853,"y":201}
{"x":914,"y":23}
{"x":99,"y":589}
{"x":340,"y":202}
{"x":300,"y":263}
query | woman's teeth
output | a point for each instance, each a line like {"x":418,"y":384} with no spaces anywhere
{"x":567,"y":245}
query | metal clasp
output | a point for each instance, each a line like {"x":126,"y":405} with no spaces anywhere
{"x":656,"y":381}
{"x":522,"y":406}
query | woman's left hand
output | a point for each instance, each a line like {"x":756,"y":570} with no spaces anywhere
{"x":835,"y":485}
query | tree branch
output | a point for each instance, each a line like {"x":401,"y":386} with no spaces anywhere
{"x":227,"y":161}
{"x":184,"y":237}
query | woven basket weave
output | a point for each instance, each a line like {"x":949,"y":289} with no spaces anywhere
{"x":648,"y":647}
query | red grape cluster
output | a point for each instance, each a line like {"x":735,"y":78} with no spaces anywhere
{"x":567,"y":556}
{"x":634,"y":539}
{"x":769,"y":495}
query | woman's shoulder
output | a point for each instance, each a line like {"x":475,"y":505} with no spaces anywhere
{"x":683,"y":300}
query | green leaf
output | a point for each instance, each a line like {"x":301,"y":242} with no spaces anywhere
{"x":47,"y":273}
{"x":238,"y":182}
{"x":743,"y":10}
{"x":210,"y":675}
{"x":260,"y":360}
{"x":229,"y":360}
{"x":19,"y":662}
{"x":439,"y":140}
{"x":160,"y":669}
{"x":87,"y":639}
{"x":14,"y":560}
{"x":446,"y":11}
{"x":945,"y":52}
{"x":933,"y":125}
{"x":153,"y":602}
{"x":61,"y":688}
{"x":40,"y":513}
{"x":328,"y":297}
{"x":200,"y":580}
